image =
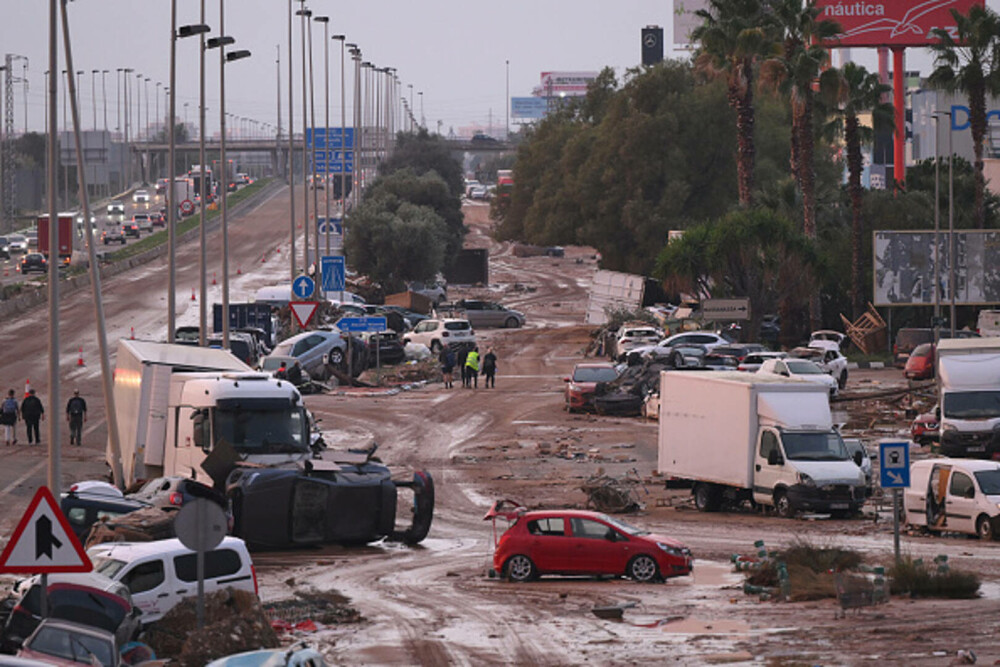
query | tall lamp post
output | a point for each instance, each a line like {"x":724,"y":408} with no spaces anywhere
{"x":343,"y":136}
{"x":951,"y":225}
{"x":305,"y":14}
{"x":325,"y":20}
{"x":291,"y":149}
{"x":203,"y":192}
{"x":185,"y":31}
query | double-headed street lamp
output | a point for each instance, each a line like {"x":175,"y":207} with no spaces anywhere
{"x":343,"y":131}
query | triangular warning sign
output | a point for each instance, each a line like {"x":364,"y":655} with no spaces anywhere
{"x":303,"y":311}
{"x":43,"y":542}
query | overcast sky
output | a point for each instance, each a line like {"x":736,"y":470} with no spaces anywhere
{"x":453,"y":51}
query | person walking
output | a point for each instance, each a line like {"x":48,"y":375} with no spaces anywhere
{"x":490,"y":369}
{"x":294,"y":373}
{"x":76,"y":414}
{"x":9,"y":414}
{"x":32,"y":412}
{"x":460,"y":358}
{"x":447,"y":360}
{"x":472,"y":368}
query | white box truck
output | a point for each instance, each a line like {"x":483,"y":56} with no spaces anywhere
{"x":968,"y":376}
{"x":743,"y":437}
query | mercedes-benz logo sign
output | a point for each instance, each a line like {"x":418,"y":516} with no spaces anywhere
{"x":649,"y":40}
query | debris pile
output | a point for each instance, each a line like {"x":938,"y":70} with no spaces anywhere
{"x":150,"y":523}
{"x":615,"y":495}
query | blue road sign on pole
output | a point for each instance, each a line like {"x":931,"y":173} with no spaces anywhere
{"x":334,"y":224}
{"x":321,"y":138}
{"x":333,"y":273}
{"x":303,"y":287}
{"x":362,"y":324}
{"x":894,"y":464}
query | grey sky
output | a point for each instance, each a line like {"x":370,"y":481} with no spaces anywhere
{"x":451,"y":50}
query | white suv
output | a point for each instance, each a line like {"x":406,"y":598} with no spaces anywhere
{"x":434,"y":333}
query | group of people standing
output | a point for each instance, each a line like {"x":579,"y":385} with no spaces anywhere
{"x":32,"y":412}
{"x":469,"y":366}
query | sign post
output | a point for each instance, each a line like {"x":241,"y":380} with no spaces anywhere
{"x":200,"y":525}
{"x":372,"y":324}
{"x":894,"y":473}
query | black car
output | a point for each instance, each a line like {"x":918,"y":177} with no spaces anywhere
{"x":34,"y":261}
{"x":84,"y":509}
{"x":384,"y":347}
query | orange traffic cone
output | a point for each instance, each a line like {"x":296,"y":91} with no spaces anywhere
{"x":263,"y":258}
{"x":192,"y":295}
{"x":27,"y":387}
{"x":239,"y":271}
{"x":131,"y":333}
{"x":79,"y":361}
{"x":6,"y":272}
{"x":213,"y":278}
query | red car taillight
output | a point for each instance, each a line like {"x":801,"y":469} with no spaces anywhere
{"x":256,"y":589}
{"x":176,"y":499}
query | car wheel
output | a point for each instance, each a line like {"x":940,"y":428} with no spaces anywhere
{"x":520,"y":568}
{"x":842,"y":380}
{"x":783,"y":506}
{"x":984,"y":528}
{"x":436,"y":347}
{"x":512,"y":323}
{"x":336,"y":357}
{"x":643,"y":568}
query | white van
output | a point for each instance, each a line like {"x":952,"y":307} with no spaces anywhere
{"x":954,"y":495}
{"x":161,"y":573}
{"x":276,"y":296}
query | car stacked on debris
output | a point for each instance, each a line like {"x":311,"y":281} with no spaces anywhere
{"x":582,"y":383}
{"x":631,"y":336}
{"x":803,"y":369}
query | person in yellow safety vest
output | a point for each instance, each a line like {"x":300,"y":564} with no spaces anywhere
{"x":472,"y":368}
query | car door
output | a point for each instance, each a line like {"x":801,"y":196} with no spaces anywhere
{"x":549,"y":546}
{"x":593,"y":552}
{"x":766,"y":475}
{"x":936,"y":500}
{"x":151,"y":592}
{"x":961,"y":503}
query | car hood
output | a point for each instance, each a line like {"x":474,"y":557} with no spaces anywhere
{"x":669,"y":541}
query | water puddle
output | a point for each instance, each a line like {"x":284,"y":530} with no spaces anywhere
{"x":708,"y":573}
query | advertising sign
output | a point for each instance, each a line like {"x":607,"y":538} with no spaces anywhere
{"x":892,"y":22}
{"x":532,"y":108}
{"x":565,"y":83}
{"x":904,"y":267}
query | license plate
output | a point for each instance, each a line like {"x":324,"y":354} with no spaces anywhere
{"x":978,"y":448}
{"x":838,"y":506}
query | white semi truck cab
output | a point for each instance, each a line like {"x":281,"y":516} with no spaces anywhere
{"x":968,"y":376}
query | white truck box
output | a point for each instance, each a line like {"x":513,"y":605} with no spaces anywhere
{"x":968,"y":376}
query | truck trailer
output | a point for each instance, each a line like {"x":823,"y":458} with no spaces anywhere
{"x":738,"y":437}
{"x":64,"y":223}
{"x":202,"y":414}
{"x":968,"y":378}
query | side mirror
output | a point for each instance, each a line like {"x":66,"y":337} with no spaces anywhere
{"x":611,"y":535}
{"x":774,"y":458}
{"x":858,"y":458}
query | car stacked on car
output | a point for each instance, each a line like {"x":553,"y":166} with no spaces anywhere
{"x":436,"y":332}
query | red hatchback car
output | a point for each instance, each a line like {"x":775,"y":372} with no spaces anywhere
{"x":578,"y":542}
{"x":920,"y":363}
{"x":581,"y":385}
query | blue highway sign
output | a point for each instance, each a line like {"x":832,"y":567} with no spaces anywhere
{"x":334,"y":225}
{"x":362,"y":324}
{"x":894,"y":464}
{"x":303,"y":287}
{"x":333,"y":273}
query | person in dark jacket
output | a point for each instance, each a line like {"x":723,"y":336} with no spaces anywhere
{"x":295,"y":373}
{"x":490,"y":369}
{"x":76,"y":414}
{"x":460,"y":360}
{"x":32,"y":412}
{"x":447,"y":360}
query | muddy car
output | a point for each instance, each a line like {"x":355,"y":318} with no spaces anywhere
{"x":345,"y":498}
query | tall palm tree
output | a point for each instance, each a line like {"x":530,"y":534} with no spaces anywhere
{"x":731,"y":39}
{"x":793,"y":72}
{"x":970,"y":63}
{"x":850,"y":92}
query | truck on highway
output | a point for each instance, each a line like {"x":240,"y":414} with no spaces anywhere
{"x":64,"y":223}
{"x":195,"y":174}
{"x":738,"y":437}
{"x":202,"y":414}
{"x":968,"y":378}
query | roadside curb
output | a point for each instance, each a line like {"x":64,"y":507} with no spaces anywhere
{"x":855,"y":365}
{"x":374,"y":393}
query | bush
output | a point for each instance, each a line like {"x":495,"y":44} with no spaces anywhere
{"x":810,"y":569}
{"x":919,"y":580}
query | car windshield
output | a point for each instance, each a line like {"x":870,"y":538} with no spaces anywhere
{"x":69,"y":645}
{"x":591,"y":374}
{"x":972,"y":404}
{"x":456,"y":326}
{"x":261,"y":429}
{"x":813,"y":446}
{"x":989,"y":481}
{"x":626,"y":528}
{"x":803,"y":368}
{"x":109,"y":567}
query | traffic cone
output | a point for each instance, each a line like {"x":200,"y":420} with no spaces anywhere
{"x":6,"y":272}
{"x":239,"y":271}
{"x":192,"y":295}
{"x":213,"y":278}
{"x":27,"y":387}
{"x":131,"y":334}
{"x":79,"y":361}
{"x":263,"y":258}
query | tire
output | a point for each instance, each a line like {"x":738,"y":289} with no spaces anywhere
{"x":520,"y":568}
{"x":984,"y":528}
{"x":783,"y":506}
{"x":643,"y":569}
{"x":706,"y":497}
{"x":511,"y":323}
{"x":436,"y":346}
{"x":336,"y":357}
{"x":842,"y":380}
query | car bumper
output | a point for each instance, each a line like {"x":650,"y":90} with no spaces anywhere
{"x":969,"y":443}
{"x":830,"y":498}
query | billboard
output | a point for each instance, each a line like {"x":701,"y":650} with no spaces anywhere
{"x":652,"y":45}
{"x":564,"y":83}
{"x":904,"y":267}
{"x":685,"y":20}
{"x":892,"y":22}
{"x":532,"y":108}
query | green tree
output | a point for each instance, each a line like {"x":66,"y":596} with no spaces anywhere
{"x":754,"y":253}
{"x":969,"y":63}
{"x":732,"y":38}
{"x":852,"y":91}
{"x":423,"y":152}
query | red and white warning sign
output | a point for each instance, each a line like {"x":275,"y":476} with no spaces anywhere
{"x":187,"y":207}
{"x":303,"y":311}
{"x":43,"y":542}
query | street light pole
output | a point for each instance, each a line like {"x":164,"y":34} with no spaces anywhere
{"x":312,"y":155}
{"x":203,"y":282}
{"x":291,"y":150}
{"x":54,"y":470}
{"x":327,"y":186}
{"x":937,"y":229}
{"x":93,"y":95}
{"x":343,"y":134}
{"x":506,"y":134}
{"x":305,"y":14}
{"x":951,"y":225}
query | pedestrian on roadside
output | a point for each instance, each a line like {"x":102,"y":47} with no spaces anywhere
{"x":447,"y":360}
{"x":472,"y":368}
{"x":9,"y":414}
{"x":32,"y":412}
{"x":295,"y":373}
{"x":76,"y":414}
{"x":490,"y":369}
{"x":460,"y":358}
{"x":282,"y":372}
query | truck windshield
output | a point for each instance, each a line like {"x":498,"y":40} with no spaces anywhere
{"x":989,"y":482}
{"x":972,"y":404}
{"x":261,"y":429}
{"x":813,"y":446}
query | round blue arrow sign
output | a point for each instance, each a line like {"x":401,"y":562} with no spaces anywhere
{"x":303,"y":287}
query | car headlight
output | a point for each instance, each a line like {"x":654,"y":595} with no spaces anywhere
{"x":949,"y":427}
{"x":805,"y":480}
{"x":672,"y":551}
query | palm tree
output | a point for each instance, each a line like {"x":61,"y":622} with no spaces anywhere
{"x":969,"y":63}
{"x":793,"y":72}
{"x":731,"y":40}
{"x":852,"y":91}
